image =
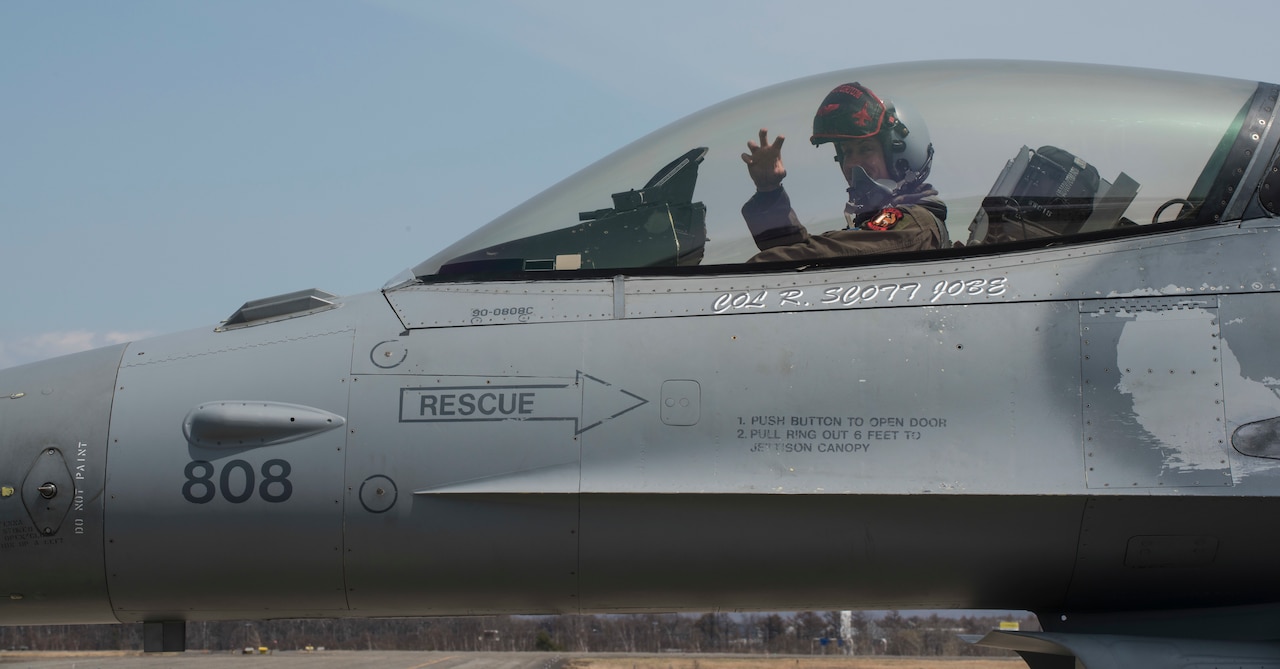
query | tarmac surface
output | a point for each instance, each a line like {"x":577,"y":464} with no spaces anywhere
{"x":336,"y":659}
{"x":329,"y":659}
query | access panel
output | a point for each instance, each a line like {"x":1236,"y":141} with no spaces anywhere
{"x":1151,"y":373}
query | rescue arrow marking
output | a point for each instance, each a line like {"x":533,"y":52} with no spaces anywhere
{"x":587,"y":401}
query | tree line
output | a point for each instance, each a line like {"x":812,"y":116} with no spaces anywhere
{"x":805,"y":632}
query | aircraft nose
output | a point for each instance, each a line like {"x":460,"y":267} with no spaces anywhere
{"x":54,"y":419}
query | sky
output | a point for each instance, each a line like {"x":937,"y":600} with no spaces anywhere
{"x":163,"y":162}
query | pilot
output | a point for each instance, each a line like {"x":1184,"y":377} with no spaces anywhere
{"x":890,"y":207}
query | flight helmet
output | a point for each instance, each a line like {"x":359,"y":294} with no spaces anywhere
{"x":852,"y":111}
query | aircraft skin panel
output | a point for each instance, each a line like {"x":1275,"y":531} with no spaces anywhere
{"x":265,"y":517}
{"x":1132,"y":549}
{"x":464,"y":555}
{"x":828,"y":429}
{"x":1153,"y":396}
{"x":53,"y":424}
{"x":502,"y":303}
{"x":478,"y":444}
{"x":1251,"y":380}
{"x":646,"y":552}
{"x":482,"y":472}
{"x":784,"y":410}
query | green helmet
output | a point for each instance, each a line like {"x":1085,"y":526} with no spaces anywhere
{"x":852,"y":111}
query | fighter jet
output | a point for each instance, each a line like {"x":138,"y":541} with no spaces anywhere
{"x":621,"y":397}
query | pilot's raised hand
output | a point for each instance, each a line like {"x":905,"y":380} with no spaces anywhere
{"x":764,"y":162}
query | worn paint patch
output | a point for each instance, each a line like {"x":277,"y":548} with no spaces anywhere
{"x":1168,"y":367}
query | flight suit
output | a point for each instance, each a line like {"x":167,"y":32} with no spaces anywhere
{"x":911,"y":222}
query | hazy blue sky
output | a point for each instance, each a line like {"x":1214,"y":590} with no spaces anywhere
{"x":164,"y":161}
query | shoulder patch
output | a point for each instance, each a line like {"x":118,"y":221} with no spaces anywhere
{"x":885,"y":220}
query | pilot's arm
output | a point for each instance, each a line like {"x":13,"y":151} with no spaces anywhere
{"x":768,"y":213}
{"x":771,"y":219}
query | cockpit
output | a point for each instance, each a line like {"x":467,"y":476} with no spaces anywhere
{"x":1025,"y":154}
